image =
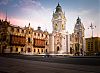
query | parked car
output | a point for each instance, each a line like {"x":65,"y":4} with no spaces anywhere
{"x":97,"y":54}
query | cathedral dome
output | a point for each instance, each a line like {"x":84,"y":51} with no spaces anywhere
{"x":78,"y":21}
{"x":58,"y":8}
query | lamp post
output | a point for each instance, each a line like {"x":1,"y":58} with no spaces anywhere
{"x":92,"y":27}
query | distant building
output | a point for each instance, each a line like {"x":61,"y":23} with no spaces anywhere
{"x":77,"y":39}
{"x":26,"y":40}
{"x":92,"y":45}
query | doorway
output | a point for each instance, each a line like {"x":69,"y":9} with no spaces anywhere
{"x":57,"y":48}
{"x":29,"y":50}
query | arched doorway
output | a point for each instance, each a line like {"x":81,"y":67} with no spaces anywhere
{"x":71,"y":50}
{"x":3,"y":49}
{"x":29,"y":49}
{"x":58,"y":48}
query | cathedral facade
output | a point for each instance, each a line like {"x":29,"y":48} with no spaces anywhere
{"x":59,"y":36}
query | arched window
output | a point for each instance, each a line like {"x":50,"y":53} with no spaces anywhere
{"x":34,"y":50}
{"x":18,"y":30}
{"x":42,"y":50}
{"x":38,"y":50}
{"x":46,"y":43}
{"x":16,"y":49}
{"x":21,"y":49}
{"x":28,"y":40}
{"x":46,"y":50}
{"x":34,"y":34}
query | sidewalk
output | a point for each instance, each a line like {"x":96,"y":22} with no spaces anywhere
{"x":85,"y":57}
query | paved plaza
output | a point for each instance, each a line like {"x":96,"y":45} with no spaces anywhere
{"x":12,"y":65}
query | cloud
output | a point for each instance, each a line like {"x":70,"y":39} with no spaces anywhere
{"x":4,"y":2}
{"x":28,"y":5}
{"x":35,"y":13}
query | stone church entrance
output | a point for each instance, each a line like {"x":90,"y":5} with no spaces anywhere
{"x":58,"y":48}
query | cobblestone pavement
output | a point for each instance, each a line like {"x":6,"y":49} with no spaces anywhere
{"x":10,"y":65}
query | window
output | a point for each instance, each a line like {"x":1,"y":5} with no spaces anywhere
{"x":12,"y":29}
{"x":16,"y":49}
{"x":46,"y":50}
{"x":42,"y":35}
{"x":17,"y":30}
{"x":46,"y":43}
{"x":88,"y":43}
{"x":38,"y":34}
{"x":35,"y":34}
{"x":91,"y":42}
{"x":46,"y":36}
{"x":88,"y":49}
{"x":28,"y":40}
{"x":38,"y":50}
{"x":22,"y":31}
{"x":34,"y":50}
{"x":11,"y":49}
{"x":42,"y":50}
{"x":21,"y":49}
{"x":29,"y":32}
{"x":91,"y":49}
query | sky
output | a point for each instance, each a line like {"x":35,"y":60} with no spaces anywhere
{"x":39,"y":13}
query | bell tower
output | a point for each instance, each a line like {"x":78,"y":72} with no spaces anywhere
{"x":59,"y":37}
{"x":79,"y":35}
{"x":58,"y":19}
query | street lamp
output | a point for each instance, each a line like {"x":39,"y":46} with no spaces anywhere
{"x":92,"y":27}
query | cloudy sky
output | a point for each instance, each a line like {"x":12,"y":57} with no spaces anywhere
{"x":39,"y":13}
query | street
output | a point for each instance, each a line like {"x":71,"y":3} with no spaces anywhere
{"x":37,"y":64}
{"x":91,"y":61}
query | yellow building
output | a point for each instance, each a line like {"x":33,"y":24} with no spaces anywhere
{"x":92,"y":45}
{"x":24,"y":40}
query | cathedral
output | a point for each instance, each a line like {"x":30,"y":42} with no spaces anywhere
{"x":60,"y":41}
